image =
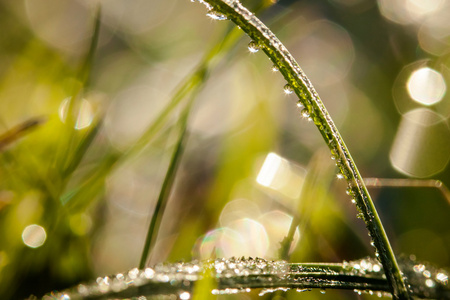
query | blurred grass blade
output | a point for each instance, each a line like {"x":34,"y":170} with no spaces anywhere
{"x":191,"y":85}
{"x":85,"y":70}
{"x":166,"y":188}
{"x":81,"y":149}
{"x":18,"y":131}
{"x":83,"y":76}
{"x":318,"y":177}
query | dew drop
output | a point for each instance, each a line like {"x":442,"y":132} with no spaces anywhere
{"x":442,"y":277}
{"x":275,"y":68}
{"x":353,"y":201}
{"x":288,"y":89}
{"x":85,"y":114}
{"x":419,"y":268}
{"x":305,"y":113}
{"x":299,"y":105}
{"x":253,"y":47}
{"x":430,"y":283}
{"x":349,"y":192}
{"x":358,"y":292}
{"x":339,"y":175}
{"x":376,"y":268}
{"x":322,"y":291}
{"x":216,"y":15}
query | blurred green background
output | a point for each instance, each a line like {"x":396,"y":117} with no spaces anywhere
{"x":80,"y":173}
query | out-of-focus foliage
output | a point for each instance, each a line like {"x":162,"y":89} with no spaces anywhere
{"x":78,"y":189}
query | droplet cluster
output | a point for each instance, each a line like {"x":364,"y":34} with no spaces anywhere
{"x":363,"y":266}
{"x":424,"y":279}
{"x":237,"y":275}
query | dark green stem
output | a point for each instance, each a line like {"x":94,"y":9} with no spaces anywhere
{"x":166,"y":188}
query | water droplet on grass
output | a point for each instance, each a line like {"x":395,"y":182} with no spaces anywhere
{"x":288,"y":89}
{"x":419,"y":268}
{"x":339,"y":175}
{"x":271,"y":290}
{"x":305,"y":113}
{"x":275,"y":68}
{"x":376,"y":268}
{"x":253,"y":47}
{"x":442,"y":277}
{"x":216,"y":15}
{"x":430,"y":283}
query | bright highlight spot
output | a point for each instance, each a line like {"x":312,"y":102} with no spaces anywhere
{"x":85,"y":113}
{"x":185,"y":296}
{"x":271,"y":166}
{"x":420,"y":8}
{"x":429,"y":283}
{"x":34,"y":236}
{"x":426,"y":86}
{"x":281,"y":175}
{"x":442,"y":277}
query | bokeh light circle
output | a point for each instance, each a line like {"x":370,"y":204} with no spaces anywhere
{"x":422,"y":83}
{"x":421,"y":147}
{"x":277,"y":224}
{"x":434,"y":32}
{"x":34,"y":236}
{"x":426,"y":86}
{"x":408,"y":11}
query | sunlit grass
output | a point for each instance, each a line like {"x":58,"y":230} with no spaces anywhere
{"x":94,"y":195}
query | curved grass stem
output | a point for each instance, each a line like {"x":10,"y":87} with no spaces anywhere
{"x":315,"y":110}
